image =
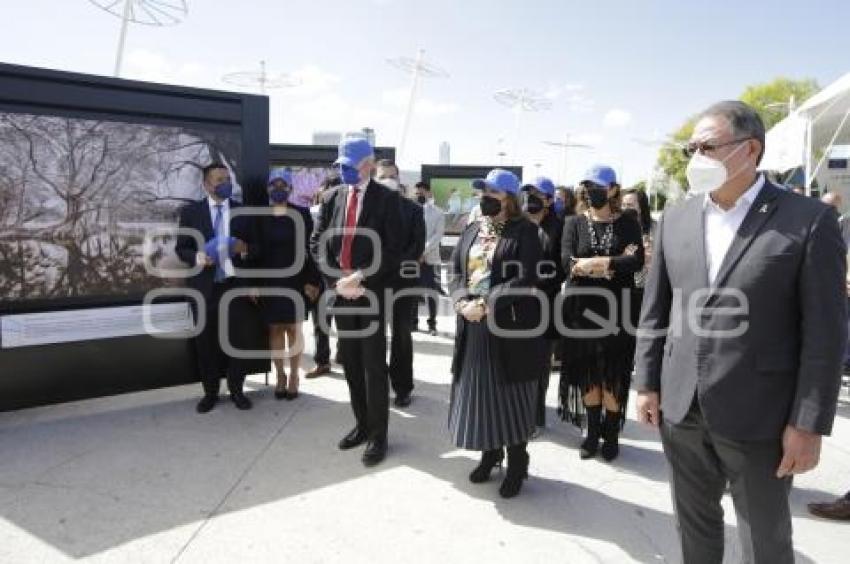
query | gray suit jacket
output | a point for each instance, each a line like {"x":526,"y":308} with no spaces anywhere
{"x":787,"y":265}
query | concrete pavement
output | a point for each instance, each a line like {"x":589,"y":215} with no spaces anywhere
{"x":143,"y":478}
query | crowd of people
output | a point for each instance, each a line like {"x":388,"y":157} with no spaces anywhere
{"x":727,"y":316}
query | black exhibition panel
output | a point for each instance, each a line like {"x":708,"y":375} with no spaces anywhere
{"x":89,"y":165}
{"x":430,"y":172}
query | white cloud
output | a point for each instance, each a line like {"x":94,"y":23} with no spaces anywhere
{"x":617,"y":118}
{"x":150,"y":66}
{"x":399,"y":97}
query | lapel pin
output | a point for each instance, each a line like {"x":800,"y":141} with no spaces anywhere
{"x":763,"y":208}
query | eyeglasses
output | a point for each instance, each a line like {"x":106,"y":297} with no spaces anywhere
{"x":693,"y":147}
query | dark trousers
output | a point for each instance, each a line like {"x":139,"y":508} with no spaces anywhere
{"x":364,"y":360}
{"x":429,"y":277}
{"x":323,"y":344}
{"x":701,"y":463}
{"x":213,"y":363}
{"x":401,"y":346}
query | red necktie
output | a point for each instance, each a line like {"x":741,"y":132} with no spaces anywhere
{"x":348,"y":236}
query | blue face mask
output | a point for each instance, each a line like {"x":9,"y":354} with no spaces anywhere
{"x":279,"y":195}
{"x":349,"y":175}
{"x":224,"y":190}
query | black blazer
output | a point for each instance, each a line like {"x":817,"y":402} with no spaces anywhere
{"x":413,"y":235}
{"x":514,"y":267}
{"x":197,"y":216}
{"x":381,"y":214}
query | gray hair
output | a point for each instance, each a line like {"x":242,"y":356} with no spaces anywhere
{"x":745,"y":121}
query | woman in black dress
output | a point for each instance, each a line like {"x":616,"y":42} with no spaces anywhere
{"x":285,"y":236}
{"x":601,"y":249}
{"x":494,"y":389}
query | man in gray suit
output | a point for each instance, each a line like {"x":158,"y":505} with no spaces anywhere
{"x":741,"y":339}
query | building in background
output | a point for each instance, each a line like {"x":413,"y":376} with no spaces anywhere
{"x":445,"y":154}
{"x":327,"y":138}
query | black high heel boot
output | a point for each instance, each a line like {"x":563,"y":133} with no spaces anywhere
{"x":517,"y":471}
{"x":611,"y":432}
{"x":594,"y":430}
{"x":489,"y":460}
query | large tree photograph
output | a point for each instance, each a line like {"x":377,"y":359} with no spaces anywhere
{"x":78,"y":196}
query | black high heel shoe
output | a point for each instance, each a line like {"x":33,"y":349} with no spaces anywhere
{"x":489,"y":460}
{"x":517,"y":471}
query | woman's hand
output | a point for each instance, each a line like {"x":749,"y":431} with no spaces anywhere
{"x":596,"y":267}
{"x":311,"y":291}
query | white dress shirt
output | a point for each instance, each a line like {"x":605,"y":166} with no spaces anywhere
{"x":722,"y":225}
{"x":225,"y":229}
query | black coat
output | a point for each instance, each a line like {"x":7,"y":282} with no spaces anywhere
{"x":514,"y":267}
{"x":381,"y":215}
{"x":412,"y":236}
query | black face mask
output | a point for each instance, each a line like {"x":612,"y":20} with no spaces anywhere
{"x":598,"y":197}
{"x":422,"y":199}
{"x":490,"y":206}
{"x":534,"y":204}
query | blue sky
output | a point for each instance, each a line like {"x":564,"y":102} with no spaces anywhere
{"x":615,"y":70}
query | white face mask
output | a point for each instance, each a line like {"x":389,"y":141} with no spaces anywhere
{"x":391,"y":183}
{"x":706,"y":174}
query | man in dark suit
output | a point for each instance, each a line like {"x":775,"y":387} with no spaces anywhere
{"x":230,"y":244}
{"x":412,"y":238}
{"x":741,"y":338}
{"x":359,"y":257}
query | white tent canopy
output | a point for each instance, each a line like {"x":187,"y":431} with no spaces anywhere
{"x":822,"y":121}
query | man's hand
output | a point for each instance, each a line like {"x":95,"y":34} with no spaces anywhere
{"x":800,"y":452}
{"x":473,"y":312}
{"x":349,"y":287}
{"x":239,"y":247}
{"x":648,"y":408}
{"x":203,"y":259}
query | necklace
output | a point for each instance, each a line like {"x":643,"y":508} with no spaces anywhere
{"x":601,"y":245}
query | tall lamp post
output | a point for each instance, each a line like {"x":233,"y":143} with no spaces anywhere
{"x":261,"y":80}
{"x":419,"y":69}
{"x":145,"y":12}
{"x":565,"y":146}
{"x":521,"y":101}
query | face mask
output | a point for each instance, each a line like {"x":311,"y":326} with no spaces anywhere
{"x":598,"y":197}
{"x":224,"y":190}
{"x":534,"y":205}
{"x":391,"y":183}
{"x":279,"y":195}
{"x":349,"y":175}
{"x":490,"y":206}
{"x":422,"y":200}
{"x":706,"y":174}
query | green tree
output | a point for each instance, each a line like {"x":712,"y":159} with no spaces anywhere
{"x":769,"y":99}
{"x":671,"y":159}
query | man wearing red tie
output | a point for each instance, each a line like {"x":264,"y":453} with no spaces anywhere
{"x":356,"y":246}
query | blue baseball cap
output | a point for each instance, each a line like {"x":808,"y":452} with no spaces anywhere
{"x":500,"y":180}
{"x":542,"y":184}
{"x":601,"y":175}
{"x":280,"y":174}
{"x":353,"y":151}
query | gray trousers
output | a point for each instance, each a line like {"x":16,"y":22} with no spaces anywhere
{"x":701,"y":464}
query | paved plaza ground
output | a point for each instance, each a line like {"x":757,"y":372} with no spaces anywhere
{"x":143,"y":478}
